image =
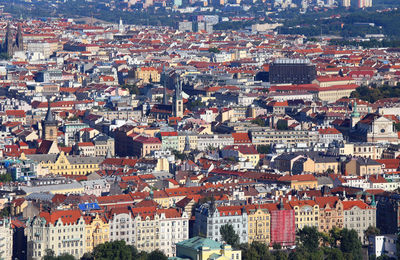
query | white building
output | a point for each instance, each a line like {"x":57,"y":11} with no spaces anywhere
{"x":210,"y":218}
{"x":149,"y":228}
{"x":215,"y":141}
{"x":96,"y":187}
{"x":6,"y":239}
{"x":383,"y":245}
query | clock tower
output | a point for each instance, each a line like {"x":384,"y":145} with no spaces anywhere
{"x":49,"y":125}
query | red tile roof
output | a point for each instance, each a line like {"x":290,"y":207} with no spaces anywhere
{"x":348,"y":205}
{"x":66,"y":216}
{"x":330,"y":131}
{"x":240,"y":138}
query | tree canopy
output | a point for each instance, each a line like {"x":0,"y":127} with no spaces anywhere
{"x":229,"y":235}
{"x":373,"y":93}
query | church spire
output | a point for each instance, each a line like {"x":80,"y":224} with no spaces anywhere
{"x":19,"y":41}
{"x":49,"y":116}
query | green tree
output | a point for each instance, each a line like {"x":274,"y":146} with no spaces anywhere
{"x":65,"y":256}
{"x":259,"y":121}
{"x":309,"y":238}
{"x":280,"y":255}
{"x":194,"y":104}
{"x":6,"y":177}
{"x":350,"y":244}
{"x":371,"y":231}
{"x":179,"y":155}
{"x":277,"y":246}
{"x":335,"y":236}
{"x":50,"y":255}
{"x":255,"y":251}
{"x":117,"y":250}
{"x":6,"y":211}
{"x":333,"y":253}
{"x":264,"y":149}
{"x":282,"y":125}
{"x":133,"y":89}
{"x":229,"y":235}
{"x":157,"y":255}
{"x":326,"y":239}
{"x":214,"y":50}
{"x":87,"y":256}
{"x":397,"y":126}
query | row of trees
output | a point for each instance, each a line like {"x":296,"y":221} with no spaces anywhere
{"x":116,"y":250}
{"x":373,"y":92}
{"x":311,"y":244}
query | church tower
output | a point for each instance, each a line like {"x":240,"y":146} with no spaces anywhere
{"x":8,"y":42}
{"x":19,"y":40}
{"x":9,"y":45}
{"x":178,"y":100}
{"x":49,"y":125}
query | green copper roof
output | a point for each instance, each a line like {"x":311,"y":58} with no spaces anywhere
{"x":355,"y":112}
{"x":200,"y":242}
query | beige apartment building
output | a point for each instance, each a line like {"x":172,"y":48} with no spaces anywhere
{"x":62,"y":231}
{"x":363,"y":166}
{"x":268,"y":137}
{"x":6,"y":239}
{"x":331,"y":213}
{"x":359,"y":216}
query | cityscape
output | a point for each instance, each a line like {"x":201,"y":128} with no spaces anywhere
{"x":199,"y":130}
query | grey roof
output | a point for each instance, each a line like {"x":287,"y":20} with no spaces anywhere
{"x":367,"y":161}
{"x":101,"y":138}
{"x":42,"y":157}
{"x":323,"y":180}
{"x":49,"y":119}
{"x":90,"y":183}
{"x":72,"y":159}
{"x":39,"y":196}
{"x":50,"y":188}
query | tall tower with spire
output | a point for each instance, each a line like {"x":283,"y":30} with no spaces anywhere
{"x":8,"y":42}
{"x":10,"y":46}
{"x":49,"y":125}
{"x":178,"y":100}
{"x":19,"y":40}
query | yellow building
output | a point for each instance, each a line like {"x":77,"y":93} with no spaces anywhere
{"x":183,"y":138}
{"x":249,"y":153}
{"x":300,"y":182}
{"x":258,"y":223}
{"x":147,"y":74}
{"x":150,"y":131}
{"x":97,"y":231}
{"x":206,"y":249}
{"x":61,"y":164}
{"x":306,"y":213}
{"x":363,"y":166}
{"x":321,"y":165}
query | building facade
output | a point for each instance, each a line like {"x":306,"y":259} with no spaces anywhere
{"x":62,"y":231}
{"x":6,"y":239}
{"x":210,"y":218}
{"x":359,"y":216}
